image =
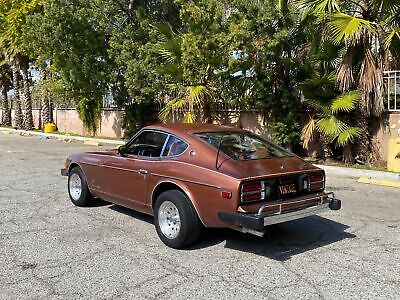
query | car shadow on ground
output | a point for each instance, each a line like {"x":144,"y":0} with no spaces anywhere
{"x":280,"y":242}
{"x":132,"y":213}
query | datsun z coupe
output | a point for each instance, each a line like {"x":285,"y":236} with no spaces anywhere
{"x":189,"y":176}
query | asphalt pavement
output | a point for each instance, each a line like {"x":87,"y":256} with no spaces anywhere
{"x":50,"y":249}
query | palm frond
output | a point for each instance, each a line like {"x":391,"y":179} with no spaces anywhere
{"x":367,"y":80}
{"x":393,"y":35}
{"x":170,"y":107}
{"x":189,"y":117}
{"x":321,"y":7}
{"x":331,"y":126}
{"x":345,"y":102}
{"x":321,"y":107}
{"x":347,"y":136}
{"x":196,"y":92}
{"x":307,"y":132}
{"x":347,"y":28}
{"x":345,"y":75}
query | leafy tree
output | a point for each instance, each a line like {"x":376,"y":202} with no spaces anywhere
{"x":13,"y":15}
{"x":66,"y":33}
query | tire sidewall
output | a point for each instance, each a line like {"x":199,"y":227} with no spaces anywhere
{"x":82,"y":201}
{"x":183,"y":204}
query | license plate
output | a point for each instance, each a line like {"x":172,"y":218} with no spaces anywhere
{"x":287,"y":189}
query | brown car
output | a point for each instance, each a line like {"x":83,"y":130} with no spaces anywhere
{"x":194,"y":175}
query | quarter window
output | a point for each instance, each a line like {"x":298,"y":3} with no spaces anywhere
{"x":174,"y":147}
{"x":148,"y":144}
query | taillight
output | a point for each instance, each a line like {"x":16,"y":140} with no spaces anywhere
{"x":252,"y":186}
{"x":255,"y":191}
{"x":317,"y":181}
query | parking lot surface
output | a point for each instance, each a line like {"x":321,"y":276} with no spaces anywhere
{"x":51,"y":249}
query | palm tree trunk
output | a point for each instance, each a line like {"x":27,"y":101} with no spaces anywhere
{"x":28,"y":120}
{"x":45,"y":103}
{"x":347,"y":155}
{"x":326,"y":147}
{"x":51,"y":109}
{"x":17,"y":102}
{"x":362,"y":146}
{"x":6,"y":116}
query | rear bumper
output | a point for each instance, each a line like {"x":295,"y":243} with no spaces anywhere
{"x":64,"y":172}
{"x":269,"y":214}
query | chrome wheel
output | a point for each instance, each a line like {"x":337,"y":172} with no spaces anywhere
{"x":169,"y":219}
{"x":75,"y":186}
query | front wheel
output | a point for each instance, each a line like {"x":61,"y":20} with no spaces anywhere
{"x":176,"y":220}
{"x":78,"y":189}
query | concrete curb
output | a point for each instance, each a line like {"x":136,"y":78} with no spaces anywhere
{"x":88,"y":140}
{"x":381,"y":182}
{"x":356,"y":173}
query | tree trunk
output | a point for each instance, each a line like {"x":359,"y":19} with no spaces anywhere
{"x":28,"y":120}
{"x":362,"y":146}
{"x":326,"y":147}
{"x":18,"y":111}
{"x":6,"y":116}
{"x":51,"y":109}
{"x":347,"y":155}
{"x":45,"y":101}
{"x":205,"y":111}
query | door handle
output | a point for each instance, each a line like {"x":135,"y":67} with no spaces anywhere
{"x":142,"y":171}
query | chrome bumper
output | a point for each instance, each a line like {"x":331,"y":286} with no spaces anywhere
{"x":275,"y":213}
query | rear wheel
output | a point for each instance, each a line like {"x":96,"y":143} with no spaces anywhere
{"x":78,"y":189}
{"x":176,"y":220}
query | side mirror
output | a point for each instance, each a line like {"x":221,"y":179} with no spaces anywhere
{"x":122,"y":150}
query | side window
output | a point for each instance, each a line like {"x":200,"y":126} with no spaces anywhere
{"x":174,"y":147}
{"x":148,"y":143}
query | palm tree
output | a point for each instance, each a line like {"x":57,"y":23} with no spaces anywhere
{"x":28,"y":117}
{"x":369,"y":30}
{"x":45,"y":104}
{"x":328,"y":120}
{"x":187,"y":98}
{"x":186,"y":95}
{"x":12,"y":19}
{"x":19,"y":120}
{"x":4,"y":86}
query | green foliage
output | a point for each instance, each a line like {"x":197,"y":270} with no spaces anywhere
{"x":286,"y":133}
{"x":189,"y":56}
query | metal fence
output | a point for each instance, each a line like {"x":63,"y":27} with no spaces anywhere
{"x":392,"y":88}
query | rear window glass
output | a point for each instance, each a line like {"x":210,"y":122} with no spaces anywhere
{"x":174,"y":147}
{"x":243,"y":145}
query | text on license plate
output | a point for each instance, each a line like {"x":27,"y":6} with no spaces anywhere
{"x":287,"y":189}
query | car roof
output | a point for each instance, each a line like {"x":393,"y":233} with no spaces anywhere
{"x":185,"y":128}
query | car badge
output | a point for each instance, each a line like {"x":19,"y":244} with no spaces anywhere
{"x":282,"y":167}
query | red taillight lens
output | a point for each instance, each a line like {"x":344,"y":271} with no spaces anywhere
{"x":253,"y":191}
{"x":250,"y":187}
{"x":316,"y":177}
{"x":317,"y":181}
{"x":252,"y":197}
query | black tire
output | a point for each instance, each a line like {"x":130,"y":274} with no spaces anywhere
{"x":85,"y":198}
{"x":190,"y":224}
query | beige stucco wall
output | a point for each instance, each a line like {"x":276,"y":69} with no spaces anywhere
{"x":388,"y":128}
{"x":67,"y":120}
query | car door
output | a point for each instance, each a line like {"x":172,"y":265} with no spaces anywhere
{"x":126,"y":176}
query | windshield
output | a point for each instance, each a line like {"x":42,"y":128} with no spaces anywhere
{"x":243,"y":145}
